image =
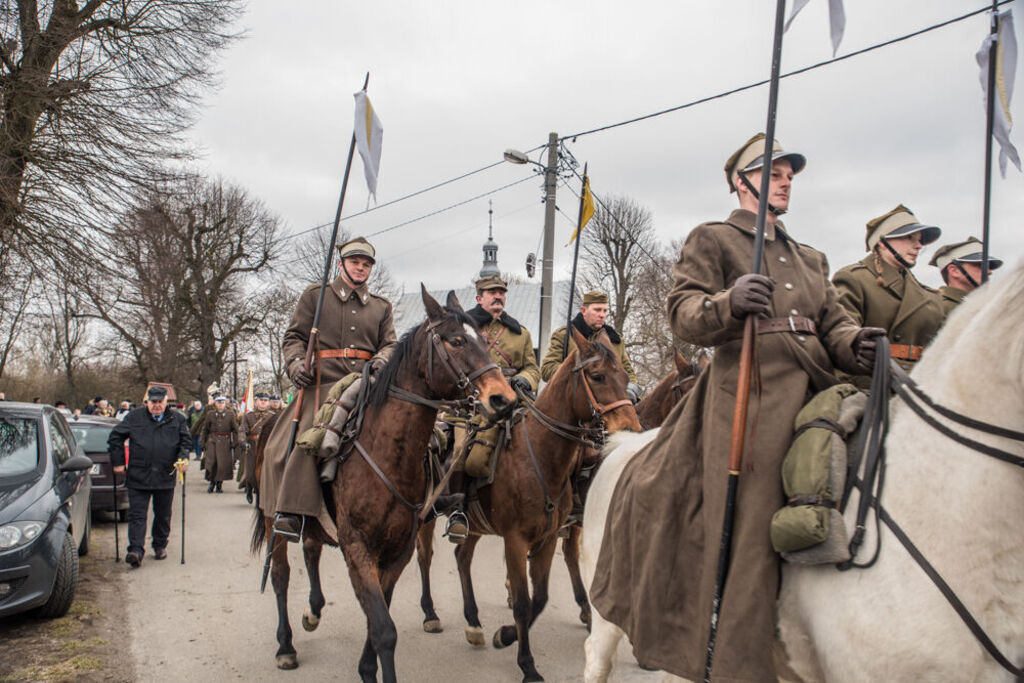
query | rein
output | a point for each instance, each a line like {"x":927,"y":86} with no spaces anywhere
{"x":874,"y":434}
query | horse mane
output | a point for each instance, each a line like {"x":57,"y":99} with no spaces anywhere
{"x":386,"y":376}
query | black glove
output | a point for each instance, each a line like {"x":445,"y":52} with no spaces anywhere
{"x":864,"y":347}
{"x":520,"y":383}
{"x":299,"y":376}
{"x":633,"y":391}
{"x":751,"y":295}
{"x":376,"y":364}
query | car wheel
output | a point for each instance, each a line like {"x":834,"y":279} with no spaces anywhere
{"x":83,"y":547}
{"x":64,"y":584}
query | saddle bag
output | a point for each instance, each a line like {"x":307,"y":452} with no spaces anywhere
{"x":311,"y":439}
{"x":810,"y":529}
{"x":482,"y":451}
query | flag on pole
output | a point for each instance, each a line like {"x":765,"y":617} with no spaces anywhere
{"x":586,"y":210}
{"x":1006,"y":71}
{"x":836,"y":20}
{"x":369,"y":135}
{"x":247,"y":402}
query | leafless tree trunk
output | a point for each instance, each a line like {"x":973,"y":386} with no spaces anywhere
{"x":15,"y":296}
{"x":307,"y":263}
{"x":66,"y":331}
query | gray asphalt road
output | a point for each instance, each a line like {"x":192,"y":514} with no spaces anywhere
{"x":206,"y":620}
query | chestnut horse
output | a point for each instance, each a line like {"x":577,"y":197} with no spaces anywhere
{"x":655,"y":406}
{"x":382,"y":482}
{"x":531,"y":495}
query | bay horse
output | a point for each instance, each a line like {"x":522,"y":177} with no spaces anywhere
{"x":959,"y":507}
{"x":382,"y":483}
{"x":655,"y":406}
{"x":531,"y":495}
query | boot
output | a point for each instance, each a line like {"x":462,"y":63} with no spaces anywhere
{"x":209,"y":489}
{"x":288,"y":525}
{"x":457,"y":529}
{"x":219,"y":489}
{"x":445,"y":504}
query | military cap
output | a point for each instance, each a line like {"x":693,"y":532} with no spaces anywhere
{"x":156,"y":393}
{"x":491,"y":282}
{"x":262,"y":395}
{"x":275,"y":397}
{"x":750,"y":157}
{"x":357,"y":246}
{"x":968,"y":251}
{"x":595,"y":296}
{"x":899,"y":222}
{"x":221,"y":399}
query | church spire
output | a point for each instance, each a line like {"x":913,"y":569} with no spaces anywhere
{"x":490,"y":266}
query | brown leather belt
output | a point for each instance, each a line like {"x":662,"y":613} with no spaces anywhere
{"x":796,"y":324}
{"x":344,"y":353}
{"x":220,"y":433}
{"x":906,"y":351}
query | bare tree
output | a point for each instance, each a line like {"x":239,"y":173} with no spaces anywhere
{"x":187,"y":258}
{"x":308,"y":264}
{"x":268,"y":344}
{"x":617,"y":247}
{"x":15,"y":297}
{"x":95,"y":97}
{"x":66,"y":330}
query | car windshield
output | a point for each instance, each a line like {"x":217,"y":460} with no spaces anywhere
{"x":91,"y":438}
{"x":19,"y":450}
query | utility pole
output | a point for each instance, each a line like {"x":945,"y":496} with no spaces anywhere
{"x":548,"y":254}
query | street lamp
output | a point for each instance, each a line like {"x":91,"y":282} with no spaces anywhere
{"x":514,"y":156}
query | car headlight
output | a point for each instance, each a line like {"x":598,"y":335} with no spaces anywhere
{"x":19,"y":533}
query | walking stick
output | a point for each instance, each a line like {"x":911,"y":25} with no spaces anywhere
{"x":113,"y":506}
{"x":183,"y":480}
{"x":739,"y":419}
{"x":313,"y":332}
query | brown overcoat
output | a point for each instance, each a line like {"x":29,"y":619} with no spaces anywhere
{"x":509,"y":345}
{"x":252,"y":422}
{"x":951,"y":297}
{"x":220,"y":435}
{"x":555,"y":354}
{"x":350,"y":319}
{"x":907,"y":310}
{"x":656,"y":571}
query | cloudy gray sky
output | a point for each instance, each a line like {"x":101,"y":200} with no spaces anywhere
{"x":457,"y":82}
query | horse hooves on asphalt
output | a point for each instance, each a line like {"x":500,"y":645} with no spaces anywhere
{"x":585,"y":617}
{"x":475,"y":636}
{"x":503,"y":637}
{"x":287,"y":662}
{"x":434,"y":626}
{"x":309,"y":620}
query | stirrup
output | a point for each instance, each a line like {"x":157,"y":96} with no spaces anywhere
{"x":457,"y":529}
{"x":289,"y":534}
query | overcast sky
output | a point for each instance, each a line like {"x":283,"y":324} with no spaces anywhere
{"x":455,"y":83}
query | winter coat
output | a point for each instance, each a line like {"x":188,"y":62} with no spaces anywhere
{"x":219,"y":437}
{"x":554,"y":356}
{"x":509,"y":344}
{"x":951,"y":297}
{"x":153,"y":447}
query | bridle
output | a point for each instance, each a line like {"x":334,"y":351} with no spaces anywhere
{"x":464,"y":381}
{"x":597,"y":409}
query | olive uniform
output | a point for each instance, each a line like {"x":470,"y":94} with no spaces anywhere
{"x":252,"y":424}
{"x":220,"y":435}
{"x":954,"y":256}
{"x":553,"y":358}
{"x":509,"y":344}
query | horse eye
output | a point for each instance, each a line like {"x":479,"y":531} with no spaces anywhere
{"x":598,"y":377}
{"x":457,"y":341}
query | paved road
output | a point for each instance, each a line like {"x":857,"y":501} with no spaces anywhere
{"x":206,"y":620}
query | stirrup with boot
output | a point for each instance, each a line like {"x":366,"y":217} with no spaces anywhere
{"x":445,"y":504}
{"x":290,"y":526}
{"x":457,"y":529}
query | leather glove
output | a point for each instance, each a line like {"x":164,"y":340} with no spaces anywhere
{"x":634,"y":390}
{"x":520,"y":383}
{"x":864,"y":347}
{"x":299,"y":376}
{"x":376,"y":364}
{"x":751,"y":295}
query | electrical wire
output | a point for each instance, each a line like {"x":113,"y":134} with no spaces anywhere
{"x":796,"y":72}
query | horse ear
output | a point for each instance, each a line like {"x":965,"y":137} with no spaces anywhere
{"x":682,"y":367}
{"x":585,"y":347}
{"x":453,"y":302}
{"x":434,"y":311}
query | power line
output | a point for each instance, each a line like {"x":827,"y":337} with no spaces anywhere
{"x":796,"y":72}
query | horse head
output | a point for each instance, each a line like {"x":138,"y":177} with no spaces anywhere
{"x":656,"y":405}
{"x":597,"y":369}
{"x":456,"y":362}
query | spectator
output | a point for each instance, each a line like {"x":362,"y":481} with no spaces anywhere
{"x":125,"y":408}
{"x":62,"y":407}
{"x":35,"y":399}
{"x":158,"y":443}
{"x":195,"y":412}
{"x":90,"y":408}
{"x":104,"y":409}
{"x":76,"y":413}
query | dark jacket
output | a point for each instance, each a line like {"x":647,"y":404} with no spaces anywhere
{"x":153,"y":447}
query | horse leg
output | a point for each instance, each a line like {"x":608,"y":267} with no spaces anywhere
{"x":279,"y":575}
{"x":368,"y":659}
{"x":600,"y":648}
{"x":424,"y":555}
{"x":464,"y":559}
{"x":311,"y":550}
{"x":571,"y":551}
{"x":522,"y":608}
{"x":381,"y":633}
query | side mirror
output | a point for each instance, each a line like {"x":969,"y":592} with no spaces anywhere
{"x":76,"y":463}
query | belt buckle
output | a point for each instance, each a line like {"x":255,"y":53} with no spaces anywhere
{"x":792,"y":325}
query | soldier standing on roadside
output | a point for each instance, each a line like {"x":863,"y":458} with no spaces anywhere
{"x":220,"y":435}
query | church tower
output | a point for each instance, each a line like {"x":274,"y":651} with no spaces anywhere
{"x":490,"y":266}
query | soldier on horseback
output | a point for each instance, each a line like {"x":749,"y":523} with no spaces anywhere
{"x":357,"y":328}
{"x":960,"y":265}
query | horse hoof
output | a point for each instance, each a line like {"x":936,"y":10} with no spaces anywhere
{"x":287,"y":662}
{"x":309,"y":620}
{"x":528,"y":678}
{"x":432,"y":625}
{"x":474,"y":636}
{"x":585,"y":617}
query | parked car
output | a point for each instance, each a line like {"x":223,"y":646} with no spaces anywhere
{"x":91,"y":432}
{"x":44,"y":510}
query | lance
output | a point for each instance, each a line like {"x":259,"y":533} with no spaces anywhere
{"x":990,"y":112}
{"x":575,"y":260}
{"x":314,"y":331}
{"x":739,"y":419}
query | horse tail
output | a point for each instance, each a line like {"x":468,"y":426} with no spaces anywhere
{"x":259,"y":530}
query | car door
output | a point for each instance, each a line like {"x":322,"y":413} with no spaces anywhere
{"x":72,"y":487}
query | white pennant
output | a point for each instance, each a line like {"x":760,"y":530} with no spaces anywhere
{"x":369,"y":135}
{"x":836,"y":20}
{"x":1006,"y":65}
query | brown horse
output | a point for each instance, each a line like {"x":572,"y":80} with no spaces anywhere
{"x":655,"y":406}
{"x":531,"y":495}
{"x":382,"y":482}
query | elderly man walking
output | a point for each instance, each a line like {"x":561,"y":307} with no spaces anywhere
{"x":158,"y":446}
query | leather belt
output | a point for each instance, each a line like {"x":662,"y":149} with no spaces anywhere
{"x":910,"y":352}
{"x":219,"y":433}
{"x":344,"y":353}
{"x":797,"y":324}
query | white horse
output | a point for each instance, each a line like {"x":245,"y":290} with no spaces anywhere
{"x":963,"y":509}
